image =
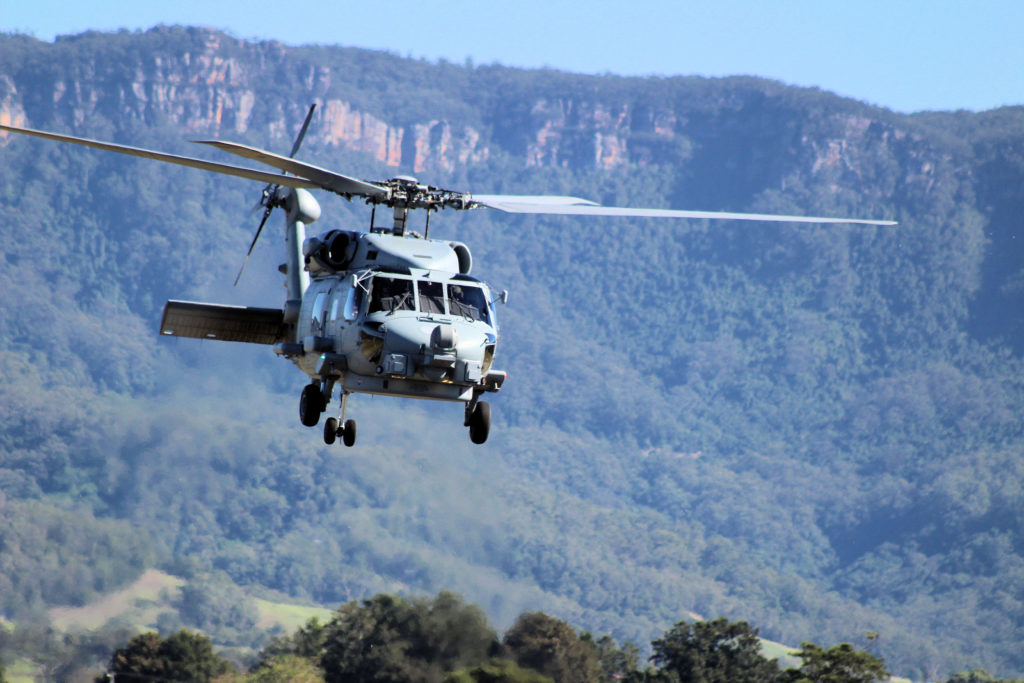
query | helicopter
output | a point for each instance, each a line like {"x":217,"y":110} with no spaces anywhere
{"x":385,"y":311}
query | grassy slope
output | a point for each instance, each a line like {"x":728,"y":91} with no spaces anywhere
{"x":288,"y":617}
{"x":138,"y":604}
{"x":153,"y":593}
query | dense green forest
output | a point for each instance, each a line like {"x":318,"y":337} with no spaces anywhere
{"x":814,"y":429}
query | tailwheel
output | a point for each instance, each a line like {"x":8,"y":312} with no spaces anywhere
{"x":480,"y":422}
{"x":348,"y":433}
{"x":330,"y":430}
{"x":311,"y":404}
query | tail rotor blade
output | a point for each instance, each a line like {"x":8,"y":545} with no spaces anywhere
{"x":267,"y":198}
{"x":252,"y":245}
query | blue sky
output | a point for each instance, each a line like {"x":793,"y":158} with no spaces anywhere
{"x":907,"y":55}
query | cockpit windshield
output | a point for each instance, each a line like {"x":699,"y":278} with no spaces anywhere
{"x":431,"y":296}
{"x":390,"y":294}
{"x":468,"y":301}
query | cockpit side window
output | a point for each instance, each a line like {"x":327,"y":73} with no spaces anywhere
{"x":390,"y":294}
{"x":431,"y":296}
{"x":468,"y":301}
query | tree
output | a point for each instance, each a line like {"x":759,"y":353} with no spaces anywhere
{"x":839,"y":664}
{"x":183,"y":656}
{"x":552,"y":647}
{"x":214,"y":604}
{"x":496,"y":671}
{"x":387,"y":638}
{"x":286,"y":669}
{"x":307,"y":642}
{"x":716,"y":651}
{"x":615,"y":662}
{"x":980,"y":676}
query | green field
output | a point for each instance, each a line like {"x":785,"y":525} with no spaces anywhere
{"x":288,"y":617}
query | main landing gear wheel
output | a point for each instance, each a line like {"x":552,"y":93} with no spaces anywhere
{"x":348,"y":433}
{"x":330,"y":430}
{"x":480,"y":422}
{"x":311,"y":404}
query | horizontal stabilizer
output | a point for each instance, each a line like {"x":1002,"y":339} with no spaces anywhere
{"x":226,"y":323}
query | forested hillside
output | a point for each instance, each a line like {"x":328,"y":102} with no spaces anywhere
{"x":814,"y":429}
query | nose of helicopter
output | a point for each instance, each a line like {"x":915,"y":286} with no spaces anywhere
{"x":434,"y":349}
{"x":415,"y":336}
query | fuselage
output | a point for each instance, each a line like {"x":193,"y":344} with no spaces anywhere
{"x":398,"y":318}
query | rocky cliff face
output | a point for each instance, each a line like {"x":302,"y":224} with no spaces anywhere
{"x":219,"y":88}
{"x":211,"y":84}
{"x":11,"y":111}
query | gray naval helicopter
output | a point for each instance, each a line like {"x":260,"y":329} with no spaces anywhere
{"x":387,"y":311}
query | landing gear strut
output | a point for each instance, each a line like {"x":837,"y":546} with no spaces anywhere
{"x":339,"y":426}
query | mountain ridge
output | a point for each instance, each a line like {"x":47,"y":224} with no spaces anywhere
{"x":852,"y":393}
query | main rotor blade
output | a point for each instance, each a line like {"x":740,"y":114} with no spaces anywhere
{"x":327,"y":180}
{"x":513,"y":204}
{"x":226,"y":169}
{"x":302,"y":131}
{"x":492,"y":200}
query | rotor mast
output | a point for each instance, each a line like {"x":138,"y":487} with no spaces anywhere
{"x":401,"y":215}
{"x":403,"y":193}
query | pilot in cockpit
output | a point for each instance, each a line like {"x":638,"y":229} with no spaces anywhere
{"x":468,"y":302}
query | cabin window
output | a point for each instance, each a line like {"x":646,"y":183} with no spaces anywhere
{"x":353,"y":302}
{"x":319,"y":304}
{"x":390,"y":294}
{"x":431,"y":296}
{"x":468,"y":301}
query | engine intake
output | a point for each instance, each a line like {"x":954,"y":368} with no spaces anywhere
{"x":463,"y":255}
{"x":331,"y":251}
